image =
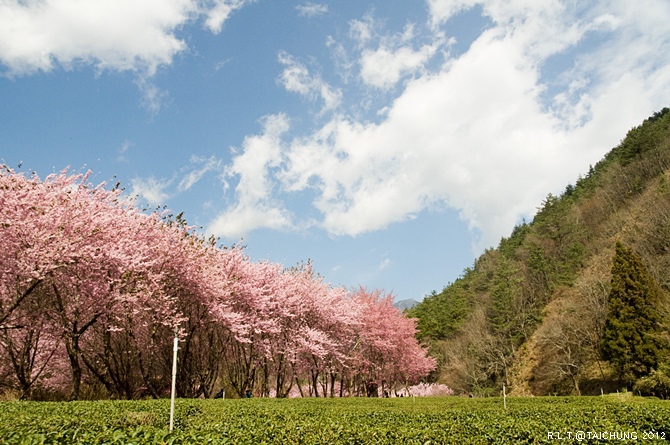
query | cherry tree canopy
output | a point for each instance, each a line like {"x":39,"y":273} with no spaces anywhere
{"x":92,"y":286}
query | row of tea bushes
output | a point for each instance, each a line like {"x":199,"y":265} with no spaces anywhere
{"x":339,"y":421}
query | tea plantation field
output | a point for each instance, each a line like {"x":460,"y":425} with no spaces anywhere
{"x":558,"y":420}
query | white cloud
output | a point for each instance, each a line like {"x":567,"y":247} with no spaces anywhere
{"x":384,"y":67}
{"x":123,"y":35}
{"x":443,"y":10}
{"x":153,"y":98}
{"x":157,"y":192}
{"x":385,"y":58}
{"x":255,"y":206}
{"x":362,"y":31}
{"x":386,"y":262}
{"x":125,"y":146}
{"x":424,"y":153}
{"x":312,"y":9}
{"x":243,"y":218}
{"x":117,"y":35}
{"x":152,"y":190}
{"x":219,"y":65}
{"x":218,"y":11}
{"x":297,"y":78}
{"x":202,"y":167}
{"x":478,"y":135}
{"x":485,"y":133}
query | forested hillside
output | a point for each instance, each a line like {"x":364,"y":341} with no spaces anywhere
{"x":577,"y":299}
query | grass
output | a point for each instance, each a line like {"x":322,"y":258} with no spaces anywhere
{"x":334,"y":421}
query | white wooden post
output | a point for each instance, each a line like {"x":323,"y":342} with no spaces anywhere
{"x":174,"y":378}
{"x":504,"y":397}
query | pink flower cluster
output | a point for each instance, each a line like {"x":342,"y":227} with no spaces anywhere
{"x":93,"y":288}
{"x":427,"y":390}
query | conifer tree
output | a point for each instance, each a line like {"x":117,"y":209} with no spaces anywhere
{"x":631,"y":340}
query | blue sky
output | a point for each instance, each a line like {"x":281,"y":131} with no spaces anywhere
{"x":390,"y":142}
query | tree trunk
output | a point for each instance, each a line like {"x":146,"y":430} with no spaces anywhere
{"x":576,"y":383}
{"x":72,"y":347}
{"x":333,"y":376}
{"x":315,"y":382}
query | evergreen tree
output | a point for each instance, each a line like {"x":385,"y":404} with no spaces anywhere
{"x":631,"y":340}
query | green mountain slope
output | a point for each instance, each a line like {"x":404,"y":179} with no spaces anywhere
{"x":530,"y":314}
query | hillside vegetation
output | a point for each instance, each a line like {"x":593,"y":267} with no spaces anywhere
{"x":546,"y":312}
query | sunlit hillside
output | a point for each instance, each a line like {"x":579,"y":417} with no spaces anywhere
{"x":531,"y":314}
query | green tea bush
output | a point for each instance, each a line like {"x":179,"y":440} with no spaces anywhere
{"x":336,"y":421}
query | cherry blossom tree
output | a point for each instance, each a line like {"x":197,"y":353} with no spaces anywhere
{"x":387,"y":351}
{"x":30,"y":344}
{"x":90,"y":282}
{"x":80,"y":245}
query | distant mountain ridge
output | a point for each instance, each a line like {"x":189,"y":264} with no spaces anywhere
{"x":530,"y":314}
{"x":405,"y":304}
